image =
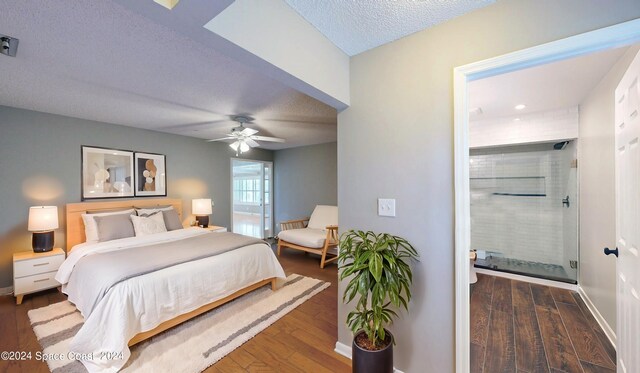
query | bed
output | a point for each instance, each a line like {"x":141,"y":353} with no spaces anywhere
{"x":130,"y":289}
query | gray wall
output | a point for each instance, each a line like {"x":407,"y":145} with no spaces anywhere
{"x":40,"y":164}
{"x":597,"y":273}
{"x":304,"y":177}
{"x":396,"y":141}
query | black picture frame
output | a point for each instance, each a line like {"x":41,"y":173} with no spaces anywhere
{"x":150,"y":179}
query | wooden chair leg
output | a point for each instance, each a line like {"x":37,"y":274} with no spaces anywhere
{"x":279,"y":247}
{"x":324,"y":252}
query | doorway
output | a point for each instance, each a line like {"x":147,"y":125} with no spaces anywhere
{"x":252,"y":198}
{"x":615,"y":36}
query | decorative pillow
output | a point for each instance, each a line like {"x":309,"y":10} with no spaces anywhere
{"x":171,"y":220}
{"x":113,"y":227}
{"x":150,"y":210}
{"x":90,"y":227}
{"x":144,"y":226}
{"x":148,"y":214}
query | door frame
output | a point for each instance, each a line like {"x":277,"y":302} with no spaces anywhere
{"x":270,"y":163}
{"x":619,"y":35}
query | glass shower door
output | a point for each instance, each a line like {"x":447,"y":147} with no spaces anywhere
{"x":524,"y":217}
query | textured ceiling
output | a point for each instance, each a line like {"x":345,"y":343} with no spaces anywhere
{"x":551,"y":86}
{"x":358,"y":25}
{"x":97,"y":60}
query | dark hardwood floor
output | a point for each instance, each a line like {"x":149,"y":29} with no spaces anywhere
{"x":302,"y":341}
{"x":522,"y":327}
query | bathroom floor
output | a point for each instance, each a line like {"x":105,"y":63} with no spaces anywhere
{"x":523,"y":267}
{"x":521,"y":327}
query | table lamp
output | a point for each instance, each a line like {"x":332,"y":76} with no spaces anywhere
{"x":42,"y":221}
{"x":201,"y":208}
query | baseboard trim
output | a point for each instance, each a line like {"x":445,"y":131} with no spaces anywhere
{"x":345,"y":351}
{"x":608,"y":331}
{"x":533,"y":280}
{"x":6,"y":291}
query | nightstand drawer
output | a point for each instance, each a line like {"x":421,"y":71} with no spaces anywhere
{"x":35,"y":283}
{"x":36,"y":266}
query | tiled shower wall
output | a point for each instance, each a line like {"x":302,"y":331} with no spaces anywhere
{"x":516,"y":202}
{"x":537,"y":127}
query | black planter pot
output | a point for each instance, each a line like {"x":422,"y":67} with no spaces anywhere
{"x":365,"y":361}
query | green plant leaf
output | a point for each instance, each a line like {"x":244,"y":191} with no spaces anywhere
{"x":375,"y":266}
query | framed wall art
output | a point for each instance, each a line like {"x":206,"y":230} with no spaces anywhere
{"x":106,"y":173}
{"x":150,"y":175}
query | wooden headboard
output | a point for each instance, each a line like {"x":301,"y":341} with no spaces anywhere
{"x":75,"y":225}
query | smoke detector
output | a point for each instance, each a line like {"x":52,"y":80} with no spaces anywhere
{"x":8,"y":45}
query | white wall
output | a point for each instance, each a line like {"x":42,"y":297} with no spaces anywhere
{"x":597,"y":273}
{"x":560,"y":124}
{"x":273,"y":31}
{"x":396,"y":141}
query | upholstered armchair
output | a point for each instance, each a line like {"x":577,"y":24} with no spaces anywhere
{"x":317,"y":234}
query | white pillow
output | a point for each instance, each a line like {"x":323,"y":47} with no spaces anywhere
{"x":91,"y":228}
{"x":144,"y":226}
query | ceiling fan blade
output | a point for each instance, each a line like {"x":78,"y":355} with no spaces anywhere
{"x":249,"y":131}
{"x":267,"y":138}
{"x":223,"y":138}
{"x":251,"y":143}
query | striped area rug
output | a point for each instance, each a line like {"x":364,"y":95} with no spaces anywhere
{"x":191,"y":346}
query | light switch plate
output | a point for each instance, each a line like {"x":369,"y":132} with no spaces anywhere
{"x":386,"y":207}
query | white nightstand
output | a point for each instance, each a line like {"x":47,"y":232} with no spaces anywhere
{"x":215,"y":228}
{"x":34,"y":272}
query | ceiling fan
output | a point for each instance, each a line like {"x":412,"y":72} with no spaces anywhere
{"x":245,"y":138}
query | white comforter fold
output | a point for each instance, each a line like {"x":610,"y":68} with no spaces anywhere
{"x":141,"y":303}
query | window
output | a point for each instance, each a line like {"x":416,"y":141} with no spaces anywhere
{"x":246,"y":190}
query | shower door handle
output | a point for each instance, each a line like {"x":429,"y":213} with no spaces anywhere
{"x":608,"y":251}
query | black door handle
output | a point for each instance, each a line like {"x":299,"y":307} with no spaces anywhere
{"x":608,"y":251}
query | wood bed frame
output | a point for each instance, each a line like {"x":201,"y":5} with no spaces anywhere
{"x":75,"y":236}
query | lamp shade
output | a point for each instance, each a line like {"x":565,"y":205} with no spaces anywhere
{"x":43,"y":218}
{"x":201,"y":206}
{"x":244,"y":147}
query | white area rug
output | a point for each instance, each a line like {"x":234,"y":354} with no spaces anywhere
{"x":191,"y":346}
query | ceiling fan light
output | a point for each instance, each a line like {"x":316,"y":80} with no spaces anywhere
{"x":235,"y":145}
{"x":244,"y":147}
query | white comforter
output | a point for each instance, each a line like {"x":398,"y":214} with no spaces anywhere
{"x":141,"y":303}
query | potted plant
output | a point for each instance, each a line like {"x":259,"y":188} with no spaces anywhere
{"x":379,"y":279}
